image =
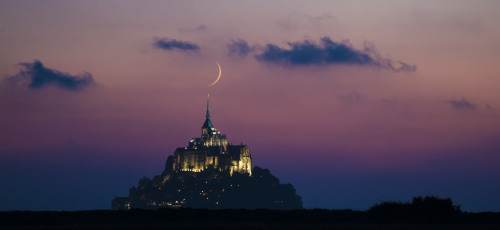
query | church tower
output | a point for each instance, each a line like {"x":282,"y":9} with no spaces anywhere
{"x":207,"y":127}
{"x":211,"y":150}
{"x":209,"y":135}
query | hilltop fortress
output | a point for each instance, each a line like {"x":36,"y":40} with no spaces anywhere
{"x":210,"y":173}
{"x":211,"y":151}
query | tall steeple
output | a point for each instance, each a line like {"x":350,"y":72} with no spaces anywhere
{"x":208,"y":124}
{"x":208,"y":107}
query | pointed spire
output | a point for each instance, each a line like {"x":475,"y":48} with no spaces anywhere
{"x":208,"y":107}
{"x":208,"y":123}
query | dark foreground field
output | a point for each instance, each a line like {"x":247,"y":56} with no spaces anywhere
{"x":238,"y":219}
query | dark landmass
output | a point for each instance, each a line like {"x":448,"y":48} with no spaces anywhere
{"x":210,"y":173}
{"x":210,"y":189}
{"x":421,"y":213}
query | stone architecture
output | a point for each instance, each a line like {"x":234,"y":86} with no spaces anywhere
{"x":210,"y":173}
{"x":211,"y":151}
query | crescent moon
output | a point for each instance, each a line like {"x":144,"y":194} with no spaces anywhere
{"x":218,"y":77}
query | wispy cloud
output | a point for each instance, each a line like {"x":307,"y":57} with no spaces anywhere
{"x":239,"y":47}
{"x":397,"y":66}
{"x":172,"y":44}
{"x":463,"y":104}
{"x":35,"y":76}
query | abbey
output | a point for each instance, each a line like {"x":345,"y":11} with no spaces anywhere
{"x":210,"y":173}
{"x":211,"y":151}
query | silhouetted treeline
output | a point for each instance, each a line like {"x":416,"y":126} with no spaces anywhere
{"x":427,"y":214}
{"x":429,"y":209}
{"x":182,"y":218}
{"x":206,"y":217}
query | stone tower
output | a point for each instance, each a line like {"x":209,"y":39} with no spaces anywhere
{"x":211,"y":151}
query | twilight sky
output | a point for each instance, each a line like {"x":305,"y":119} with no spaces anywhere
{"x":353,"y":102}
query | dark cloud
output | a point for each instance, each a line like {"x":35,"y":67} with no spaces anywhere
{"x":171,"y":44}
{"x":328,"y":52}
{"x":309,"y":53}
{"x":462,"y":104}
{"x":36,"y":76}
{"x":239,"y":48}
{"x":400,"y":66}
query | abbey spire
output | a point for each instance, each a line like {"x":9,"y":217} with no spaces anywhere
{"x":208,"y":107}
{"x":208,"y":124}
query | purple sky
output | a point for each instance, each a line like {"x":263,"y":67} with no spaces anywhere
{"x":353,"y":102}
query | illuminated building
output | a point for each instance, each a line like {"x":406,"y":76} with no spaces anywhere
{"x":210,"y":173}
{"x":211,"y":151}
